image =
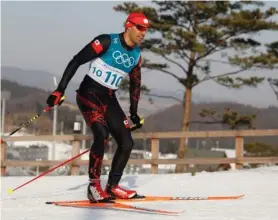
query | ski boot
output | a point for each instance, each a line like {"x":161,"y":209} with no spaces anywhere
{"x":117,"y":192}
{"x":95,"y":192}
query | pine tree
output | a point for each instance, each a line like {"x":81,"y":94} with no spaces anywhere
{"x":229,"y":117}
{"x":273,"y":82}
{"x":186,"y":34}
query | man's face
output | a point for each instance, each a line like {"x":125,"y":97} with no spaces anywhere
{"x":137,"y":33}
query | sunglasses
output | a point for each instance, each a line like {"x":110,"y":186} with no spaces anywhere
{"x":140,"y":27}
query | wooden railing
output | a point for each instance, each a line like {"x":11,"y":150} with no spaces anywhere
{"x":154,"y":161}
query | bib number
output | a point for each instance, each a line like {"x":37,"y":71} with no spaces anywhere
{"x":108,"y":77}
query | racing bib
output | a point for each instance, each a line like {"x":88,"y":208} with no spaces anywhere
{"x":105,"y":74}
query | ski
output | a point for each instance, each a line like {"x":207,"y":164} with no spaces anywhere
{"x":117,"y":206}
{"x":157,"y":199}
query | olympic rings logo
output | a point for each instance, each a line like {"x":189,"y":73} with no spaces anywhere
{"x":123,"y":58}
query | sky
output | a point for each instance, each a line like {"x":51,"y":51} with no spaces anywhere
{"x":46,"y":35}
{"x":258,"y":185}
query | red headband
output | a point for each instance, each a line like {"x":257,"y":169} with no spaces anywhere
{"x":136,"y":18}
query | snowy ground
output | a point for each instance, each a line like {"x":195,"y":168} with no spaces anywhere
{"x":260,"y":187}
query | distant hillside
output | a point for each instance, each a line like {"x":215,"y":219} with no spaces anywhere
{"x":26,"y":101}
{"x":170,"y":119}
{"x":35,"y":78}
{"x":267,"y":118}
{"x":44,"y":80}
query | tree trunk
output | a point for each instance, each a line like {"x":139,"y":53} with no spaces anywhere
{"x":186,"y":117}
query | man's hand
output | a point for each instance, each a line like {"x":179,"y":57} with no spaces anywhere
{"x":136,"y":120}
{"x":56,"y":98}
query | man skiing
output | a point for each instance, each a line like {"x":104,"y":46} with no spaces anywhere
{"x":111,"y":57}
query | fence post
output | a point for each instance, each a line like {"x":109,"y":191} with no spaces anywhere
{"x":239,"y":150}
{"x":3,"y":158}
{"x":155,"y":152}
{"x":75,"y":151}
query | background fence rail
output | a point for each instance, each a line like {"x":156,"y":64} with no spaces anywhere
{"x":239,"y":160}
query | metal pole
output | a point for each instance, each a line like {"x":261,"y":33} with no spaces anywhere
{"x":54,"y":125}
{"x":54,"y":130}
{"x":3,"y":116}
{"x":84,"y":132}
{"x":62,"y":128}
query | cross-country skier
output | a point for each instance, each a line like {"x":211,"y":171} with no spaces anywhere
{"x":111,"y":57}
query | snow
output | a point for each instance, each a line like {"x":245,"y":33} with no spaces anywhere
{"x":260,"y":187}
{"x":163,"y":168}
{"x":230,"y":153}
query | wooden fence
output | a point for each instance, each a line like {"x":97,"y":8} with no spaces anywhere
{"x":154,"y":161}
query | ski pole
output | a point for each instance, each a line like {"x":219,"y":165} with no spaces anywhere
{"x":46,"y":109}
{"x":132,"y":128}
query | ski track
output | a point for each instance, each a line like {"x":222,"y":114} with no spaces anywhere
{"x":260,"y":187}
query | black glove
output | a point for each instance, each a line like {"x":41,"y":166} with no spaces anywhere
{"x":56,"y":98}
{"x":136,"y":120}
